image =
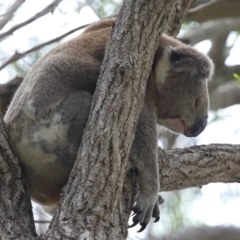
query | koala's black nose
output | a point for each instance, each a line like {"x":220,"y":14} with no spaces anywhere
{"x":196,"y":128}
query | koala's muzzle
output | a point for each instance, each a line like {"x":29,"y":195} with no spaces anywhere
{"x":196,"y":128}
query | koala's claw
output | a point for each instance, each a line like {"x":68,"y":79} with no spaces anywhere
{"x":133,"y":225}
{"x":160,"y":200}
{"x":143,"y":226}
{"x":157,"y":219}
{"x":143,"y":215}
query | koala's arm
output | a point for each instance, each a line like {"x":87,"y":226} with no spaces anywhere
{"x":144,"y":158}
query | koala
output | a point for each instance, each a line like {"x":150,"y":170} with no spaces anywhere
{"x":49,"y":111}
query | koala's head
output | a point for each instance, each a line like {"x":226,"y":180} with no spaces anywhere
{"x":182,"y":75}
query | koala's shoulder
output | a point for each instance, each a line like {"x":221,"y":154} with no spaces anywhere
{"x":90,"y":43}
{"x":100,"y":25}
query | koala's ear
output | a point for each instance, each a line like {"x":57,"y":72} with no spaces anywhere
{"x":187,"y":59}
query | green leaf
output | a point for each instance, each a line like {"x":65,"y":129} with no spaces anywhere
{"x":237,"y":77}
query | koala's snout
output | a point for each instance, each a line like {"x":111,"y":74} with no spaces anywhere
{"x":196,"y":128}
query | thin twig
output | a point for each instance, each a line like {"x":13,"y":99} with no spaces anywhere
{"x":9,"y":13}
{"x":42,"y":221}
{"x":50,"y":8}
{"x":94,"y":10}
{"x":16,"y":56}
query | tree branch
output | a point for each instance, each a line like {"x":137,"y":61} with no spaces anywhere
{"x":234,"y":69}
{"x":89,"y":3}
{"x":198,"y":165}
{"x":9,"y":14}
{"x":224,"y":95}
{"x":212,"y":29}
{"x":16,"y":56}
{"x":15,"y":207}
{"x":223,"y":75}
{"x":50,"y":8}
{"x":215,"y":10}
{"x":218,"y":51}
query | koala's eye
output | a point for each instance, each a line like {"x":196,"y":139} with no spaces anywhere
{"x":197,"y":102}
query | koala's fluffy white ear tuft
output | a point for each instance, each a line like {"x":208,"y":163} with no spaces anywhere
{"x":162,"y":68}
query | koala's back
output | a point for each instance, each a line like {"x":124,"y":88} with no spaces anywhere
{"x":50,"y":109}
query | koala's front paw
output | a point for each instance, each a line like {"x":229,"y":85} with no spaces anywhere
{"x":144,"y":209}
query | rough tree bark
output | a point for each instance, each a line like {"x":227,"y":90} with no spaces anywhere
{"x":97,"y":200}
{"x":198,"y":165}
{"x":16,"y":218}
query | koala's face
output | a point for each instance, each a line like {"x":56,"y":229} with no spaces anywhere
{"x":182,"y":77}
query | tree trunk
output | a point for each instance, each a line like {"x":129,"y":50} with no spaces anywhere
{"x":96,"y":203}
{"x":16,"y":219}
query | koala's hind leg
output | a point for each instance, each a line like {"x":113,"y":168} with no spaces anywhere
{"x":143,"y":156}
{"x":59,"y":145}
